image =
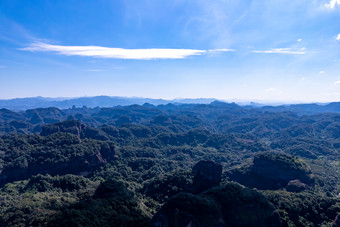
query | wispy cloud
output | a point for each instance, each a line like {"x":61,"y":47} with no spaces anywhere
{"x":337,"y":83}
{"x":338,"y":37}
{"x":118,"y":53}
{"x":281,"y":51}
{"x":221,"y":50}
{"x":270,"y":90}
{"x":96,"y":70}
{"x":332,"y":4}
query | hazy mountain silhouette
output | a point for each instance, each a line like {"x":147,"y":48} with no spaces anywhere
{"x":101,"y":101}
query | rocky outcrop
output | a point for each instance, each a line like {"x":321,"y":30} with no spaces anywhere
{"x":280,"y":167}
{"x":48,"y":114}
{"x":65,"y":154}
{"x":74,"y":127}
{"x":336,"y":222}
{"x":207,"y":174}
{"x":228,"y":205}
{"x":271,"y":170}
{"x":204,"y":175}
{"x":296,"y":186}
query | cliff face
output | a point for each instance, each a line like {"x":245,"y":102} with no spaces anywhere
{"x":212,"y":205}
{"x":228,"y":205}
{"x":207,"y":174}
{"x":62,"y":153}
{"x":296,"y":186}
{"x":272,"y":171}
{"x":74,"y":127}
{"x":336,"y":222}
{"x":280,"y":167}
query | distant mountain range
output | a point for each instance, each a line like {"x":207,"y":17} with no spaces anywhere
{"x":97,"y":101}
{"x":19,"y":104}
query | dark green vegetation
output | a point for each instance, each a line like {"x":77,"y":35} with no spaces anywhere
{"x":134,"y":166}
{"x":272,"y":171}
{"x":227,"y":205}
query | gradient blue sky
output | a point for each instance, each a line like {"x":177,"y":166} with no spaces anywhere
{"x":277,"y":50}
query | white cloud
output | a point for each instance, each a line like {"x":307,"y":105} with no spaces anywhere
{"x":299,"y":40}
{"x":269,"y":90}
{"x":337,"y":83}
{"x":281,"y":51}
{"x":322,"y":72}
{"x":119,"y":53}
{"x":303,"y":78}
{"x":332,"y":4}
{"x":338,"y":37}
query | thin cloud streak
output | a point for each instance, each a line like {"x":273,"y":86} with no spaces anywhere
{"x":338,"y":37}
{"x":280,"y":51}
{"x":118,"y":53}
{"x":220,"y":50}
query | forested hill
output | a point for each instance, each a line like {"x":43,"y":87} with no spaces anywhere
{"x":216,"y":117}
{"x":170,"y":165}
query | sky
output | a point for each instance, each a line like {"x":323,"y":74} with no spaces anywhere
{"x":261,"y":50}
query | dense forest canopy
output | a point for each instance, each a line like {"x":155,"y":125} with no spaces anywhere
{"x":143,"y":165}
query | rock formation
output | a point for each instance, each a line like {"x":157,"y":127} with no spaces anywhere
{"x":296,"y":186}
{"x":64,"y":155}
{"x":272,"y":171}
{"x":228,"y":205}
{"x":336,"y":222}
{"x":74,"y":127}
{"x":207,"y":174}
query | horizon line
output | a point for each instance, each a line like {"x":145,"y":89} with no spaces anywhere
{"x":231,"y":100}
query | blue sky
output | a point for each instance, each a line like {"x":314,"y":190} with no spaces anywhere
{"x":277,"y":50}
